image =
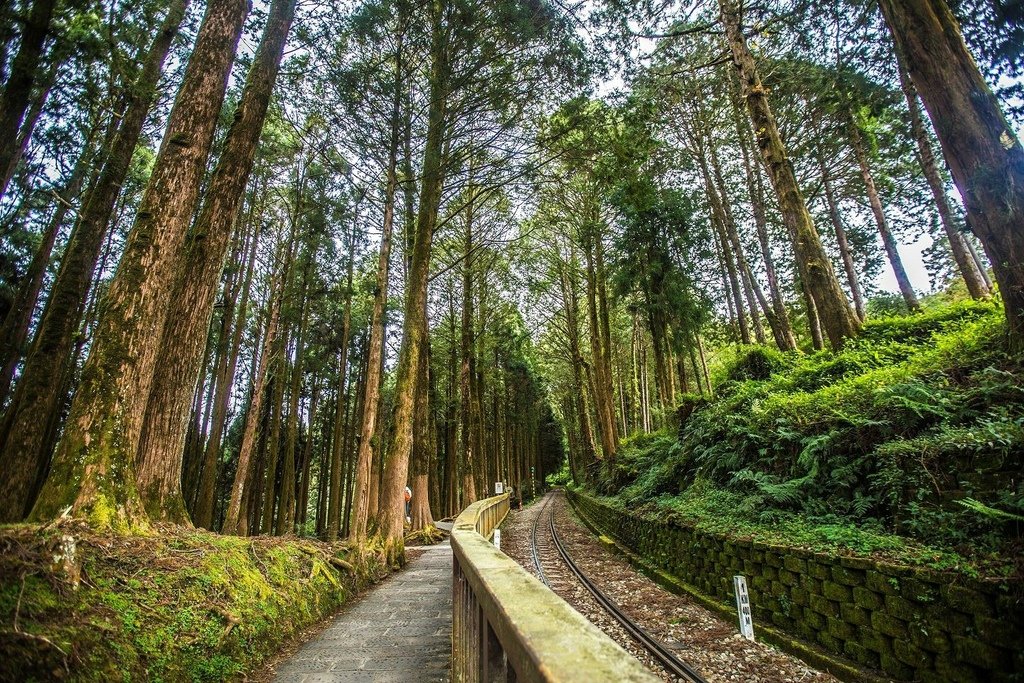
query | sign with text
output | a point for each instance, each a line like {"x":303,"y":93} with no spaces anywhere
{"x":499,"y":488}
{"x":743,"y":607}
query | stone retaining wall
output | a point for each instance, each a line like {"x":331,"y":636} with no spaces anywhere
{"x":908,"y":623}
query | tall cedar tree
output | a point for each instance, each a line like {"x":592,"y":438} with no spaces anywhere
{"x":39,"y":392}
{"x":162,"y":443}
{"x":815,"y":269}
{"x":94,"y":465}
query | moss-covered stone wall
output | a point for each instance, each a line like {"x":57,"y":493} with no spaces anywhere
{"x":908,"y":623}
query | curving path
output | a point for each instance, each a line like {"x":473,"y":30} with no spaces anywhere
{"x":398,"y":632}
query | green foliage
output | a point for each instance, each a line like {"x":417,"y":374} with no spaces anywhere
{"x":918,"y":413}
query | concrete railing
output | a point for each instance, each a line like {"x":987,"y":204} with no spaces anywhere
{"x":508,"y":626}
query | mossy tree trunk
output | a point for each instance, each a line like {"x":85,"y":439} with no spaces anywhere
{"x":983,"y":153}
{"x":161,"y":445}
{"x":41,"y":387}
{"x":93,"y":469}
{"x":837,"y":320}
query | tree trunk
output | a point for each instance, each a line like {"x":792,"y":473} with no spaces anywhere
{"x":969,"y":270}
{"x":94,"y":463}
{"x":815,"y":268}
{"x":602,"y":382}
{"x":160,"y":448}
{"x":984,"y":155}
{"x":468,"y":452}
{"x":371,"y":402}
{"x":203,"y":512}
{"x":906,"y":289}
{"x":334,"y":501}
{"x":392,"y":514}
{"x":28,"y":126}
{"x":19,"y":317}
{"x":782,"y":330}
{"x":16,"y":93}
{"x":39,"y":390}
{"x":423,"y":443}
{"x":236,"y":518}
{"x":844,"y":245}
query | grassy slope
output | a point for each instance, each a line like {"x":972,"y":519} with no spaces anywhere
{"x":181,"y":605}
{"x":867,"y":450}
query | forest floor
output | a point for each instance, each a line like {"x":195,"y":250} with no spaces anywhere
{"x":703,"y":639}
{"x":180,"y":604}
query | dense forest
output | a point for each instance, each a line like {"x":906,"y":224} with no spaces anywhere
{"x":266,"y":266}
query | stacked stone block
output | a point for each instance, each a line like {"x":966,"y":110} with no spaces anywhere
{"x":909,"y":623}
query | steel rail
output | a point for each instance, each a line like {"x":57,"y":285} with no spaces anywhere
{"x":533,"y":545}
{"x":668,"y":659}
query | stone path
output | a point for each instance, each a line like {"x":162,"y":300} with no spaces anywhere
{"x":400,"y":631}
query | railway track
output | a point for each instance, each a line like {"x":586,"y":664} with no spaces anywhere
{"x":656,"y":648}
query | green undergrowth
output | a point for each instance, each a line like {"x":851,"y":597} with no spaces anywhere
{"x":183,"y":605}
{"x":909,"y":442}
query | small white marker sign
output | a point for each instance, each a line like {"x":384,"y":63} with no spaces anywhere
{"x":743,"y":607}
{"x":499,"y":488}
{"x":497,"y":539}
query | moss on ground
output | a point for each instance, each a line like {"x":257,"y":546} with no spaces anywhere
{"x":184,"y":605}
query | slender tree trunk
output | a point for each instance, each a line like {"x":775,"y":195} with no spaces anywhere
{"x":17,"y":91}
{"x":159,"y":456}
{"x":371,"y":403}
{"x":906,"y":289}
{"x":844,"y":244}
{"x":601,"y":382}
{"x":334,"y":502}
{"x":420,"y":517}
{"x":236,"y":518}
{"x":751,"y":289}
{"x":569,"y":299}
{"x":304,"y":465}
{"x":28,"y":125}
{"x":984,"y":155}
{"x":286,"y":515}
{"x":782,"y":330}
{"x":813,"y":321}
{"x":39,"y":391}
{"x":815,"y":268}
{"x":203,"y":512}
{"x":468,"y":453}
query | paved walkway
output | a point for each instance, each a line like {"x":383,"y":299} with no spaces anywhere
{"x":398,"y":632}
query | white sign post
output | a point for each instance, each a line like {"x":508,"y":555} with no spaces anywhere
{"x":743,"y":607}
{"x":499,"y":488}
{"x":497,"y":539}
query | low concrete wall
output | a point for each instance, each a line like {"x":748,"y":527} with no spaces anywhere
{"x":908,"y":623}
{"x":508,"y":626}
